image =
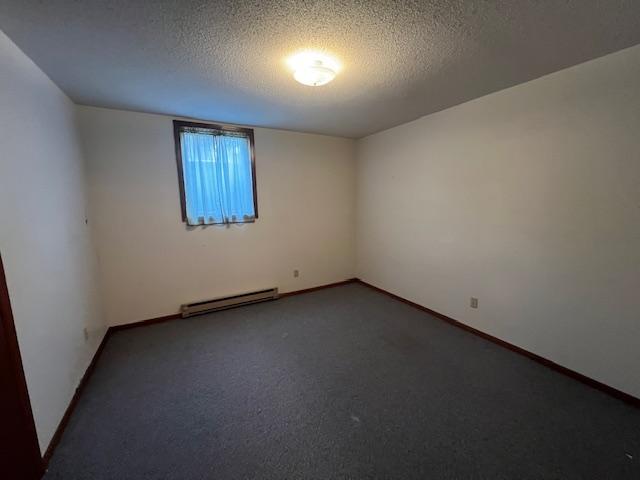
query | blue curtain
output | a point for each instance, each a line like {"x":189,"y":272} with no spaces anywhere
{"x":217,"y":178}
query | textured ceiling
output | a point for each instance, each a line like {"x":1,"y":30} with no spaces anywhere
{"x":224,"y":60}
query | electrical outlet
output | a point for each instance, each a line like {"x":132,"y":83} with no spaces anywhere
{"x":86,"y":333}
{"x":474,"y":302}
{"x":296,"y":273}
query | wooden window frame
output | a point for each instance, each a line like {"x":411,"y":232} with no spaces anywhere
{"x":178,"y":126}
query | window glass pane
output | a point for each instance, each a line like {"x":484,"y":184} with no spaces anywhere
{"x":218,"y":179}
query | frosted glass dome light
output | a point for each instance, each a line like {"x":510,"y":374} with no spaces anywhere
{"x":313,"y":68}
{"x":314,"y":75}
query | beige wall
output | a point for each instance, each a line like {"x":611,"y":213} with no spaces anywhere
{"x":528,"y":199}
{"x":151,"y":263}
{"x":44,"y":241}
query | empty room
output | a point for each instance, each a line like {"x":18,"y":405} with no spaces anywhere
{"x":338,"y":239}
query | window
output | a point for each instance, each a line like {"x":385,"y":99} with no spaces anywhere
{"x":216,"y":168}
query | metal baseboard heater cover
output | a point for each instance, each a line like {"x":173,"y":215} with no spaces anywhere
{"x":198,"y":308}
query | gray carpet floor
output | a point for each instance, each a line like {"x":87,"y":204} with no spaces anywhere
{"x":339,"y":383}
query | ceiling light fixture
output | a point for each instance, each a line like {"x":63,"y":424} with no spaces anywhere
{"x":313,"y":68}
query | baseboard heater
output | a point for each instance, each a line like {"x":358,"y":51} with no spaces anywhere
{"x":198,"y":308}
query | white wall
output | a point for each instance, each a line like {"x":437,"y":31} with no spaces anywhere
{"x":528,"y":199}
{"x":151,"y":263}
{"x":44,"y":242}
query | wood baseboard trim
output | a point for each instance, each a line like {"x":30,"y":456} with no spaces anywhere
{"x":320,"y":287}
{"x":74,"y":401}
{"x":144,"y":323}
{"x":176,"y":316}
{"x":614,"y":392}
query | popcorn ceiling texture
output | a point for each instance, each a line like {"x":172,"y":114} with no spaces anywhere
{"x":224,"y":60}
